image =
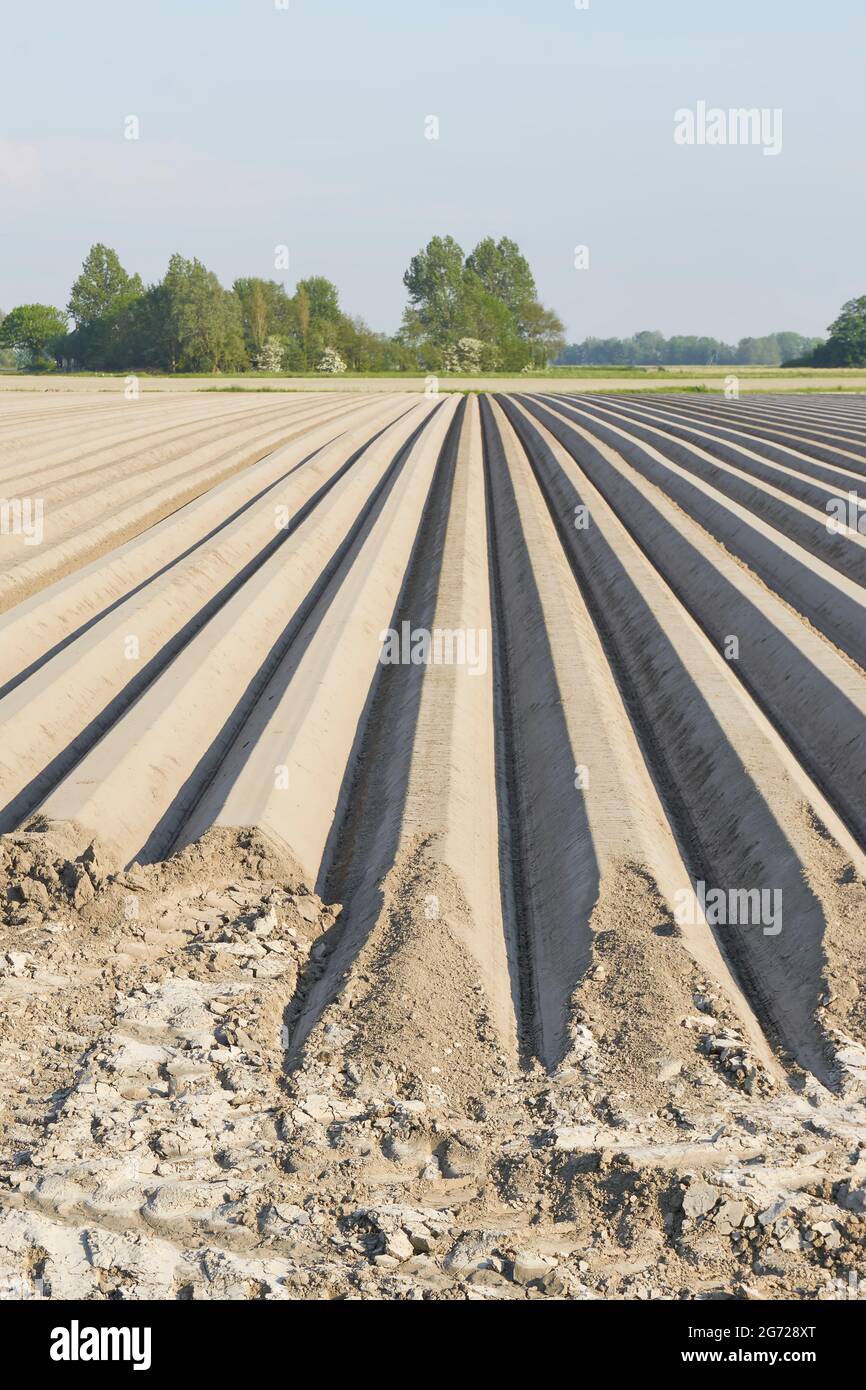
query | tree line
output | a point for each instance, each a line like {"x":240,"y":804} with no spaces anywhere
{"x":465,"y":313}
{"x":650,"y":349}
{"x":845,"y":346}
{"x":189,"y":322}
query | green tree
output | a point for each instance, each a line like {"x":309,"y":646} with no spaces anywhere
{"x":649,"y":345}
{"x":792,"y":345}
{"x":846,"y":345}
{"x":489,"y":298}
{"x":100,"y":302}
{"x":265,"y":310}
{"x":543,"y":331}
{"x":254,"y":312}
{"x":301,"y":307}
{"x":149,"y":339}
{"x":102,"y":289}
{"x":318,"y":318}
{"x":366,"y":351}
{"x":752,"y":352}
{"x":485,"y":319}
{"x":436,"y":284}
{"x":7,"y":354}
{"x":504,"y":272}
{"x":323,"y":299}
{"x":33,"y":329}
{"x":205,"y":325}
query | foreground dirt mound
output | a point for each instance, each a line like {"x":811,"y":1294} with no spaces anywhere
{"x":165,"y":1137}
{"x":643,"y":1012}
{"x":413,"y":996}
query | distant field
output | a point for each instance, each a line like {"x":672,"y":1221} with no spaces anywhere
{"x":559,"y":379}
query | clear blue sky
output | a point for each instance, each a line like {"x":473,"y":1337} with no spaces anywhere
{"x":305,"y":126}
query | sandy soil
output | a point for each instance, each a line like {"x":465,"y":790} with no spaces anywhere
{"x":323,"y":977}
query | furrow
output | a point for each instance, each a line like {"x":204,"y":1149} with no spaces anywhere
{"x":831,"y":602}
{"x":89,"y":536}
{"x":39,"y":626}
{"x":192,"y":712}
{"x":813,"y":697}
{"x":591,"y":828}
{"x":115,"y":658}
{"x":733,"y":789}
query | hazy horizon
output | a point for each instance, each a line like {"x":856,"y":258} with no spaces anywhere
{"x":262,"y":126}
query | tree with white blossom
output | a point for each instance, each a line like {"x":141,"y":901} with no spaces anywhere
{"x":466,"y":355}
{"x":270,"y":359}
{"x":330,"y":362}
